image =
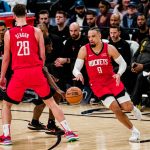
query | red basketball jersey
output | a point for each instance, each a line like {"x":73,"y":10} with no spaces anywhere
{"x":24,"y":47}
{"x":100,"y":72}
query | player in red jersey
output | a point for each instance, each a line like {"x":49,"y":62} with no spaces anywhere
{"x":105,"y":84}
{"x":24,"y":45}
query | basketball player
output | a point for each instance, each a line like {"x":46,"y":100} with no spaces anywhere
{"x":24,"y":45}
{"x":105,"y":84}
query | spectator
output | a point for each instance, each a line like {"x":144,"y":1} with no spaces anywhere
{"x":62,"y":30}
{"x":130,"y":18}
{"x":121,"y":8}
{"x":57,"y":48}
{"x":142,"y":31}
{"x":140,"y":63}
{"x":143,"y":7}
{"x":43,"y":17}
{"x":79,"y":15}
{"x":115,"y":21}
{"x":91,"y":17}
{"x":103,"y":19}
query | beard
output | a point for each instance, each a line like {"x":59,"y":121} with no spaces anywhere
{"x":142,"y":27}
{"x":92,"y":45}
{"x":81,"y":15}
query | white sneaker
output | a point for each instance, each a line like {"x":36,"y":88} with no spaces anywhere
{"x":137,"y":113}
{"x":135,"y":137}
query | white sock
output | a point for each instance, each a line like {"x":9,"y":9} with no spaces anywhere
{"x":6,"y":129}
{"x":134,"y":108}
{"x":134,"y":129}
{"x":65,"y":125}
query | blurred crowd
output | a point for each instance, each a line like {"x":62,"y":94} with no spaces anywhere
{"x":123,"y":23}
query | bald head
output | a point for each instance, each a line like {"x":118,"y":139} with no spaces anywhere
{"x":74,"y":30}
{"x":115,"y":20}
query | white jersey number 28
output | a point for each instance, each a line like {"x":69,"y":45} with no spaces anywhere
{"x":23,"y":48}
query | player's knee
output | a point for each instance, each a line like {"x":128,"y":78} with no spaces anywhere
{"x":115,"y":108}
{"x":128,"y":106}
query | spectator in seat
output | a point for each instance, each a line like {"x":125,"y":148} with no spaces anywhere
{"x":130,"y":19}
{"x":62,"y":30}
{"x":79,"y":15}
{"x":142,"y":31}
{"x":140,"y":63}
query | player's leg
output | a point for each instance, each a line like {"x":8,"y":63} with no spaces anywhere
{"x":5,"y":139}
{"x":43,"y":90}
{"x":51,"y":125}
{"x":14,"y":95}
{"x":127,"y":105}
{"x":58,"y":114}
{"x":113,"y":105}
{"x":35,"y":124}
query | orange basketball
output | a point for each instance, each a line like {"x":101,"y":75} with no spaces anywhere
{"x":74,"y":95}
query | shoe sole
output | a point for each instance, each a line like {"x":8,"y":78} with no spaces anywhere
{"x":136,"y":141}
{"x":73,"y":139}
{"x":6,"y":144}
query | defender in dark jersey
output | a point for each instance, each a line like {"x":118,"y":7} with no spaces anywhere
{"x":105,"y":84}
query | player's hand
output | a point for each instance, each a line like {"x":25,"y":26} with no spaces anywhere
{"x":117,"y":77}
{"x":79,"y":78}
{"x":60,"y":92}
{"x":60,"y":61}
{"x":3,"y":82}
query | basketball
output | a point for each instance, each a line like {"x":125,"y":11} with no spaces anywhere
{"x":74,"y":95}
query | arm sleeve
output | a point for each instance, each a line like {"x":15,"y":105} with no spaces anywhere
{"x":122,"y":65}
{"x":77,"y":67}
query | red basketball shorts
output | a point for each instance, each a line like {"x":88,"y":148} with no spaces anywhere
{"x":107,"y":87}
{"x":27,"y":78}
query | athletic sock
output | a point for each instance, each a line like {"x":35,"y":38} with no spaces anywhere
{"x":134,"y":129}
{"x":65,"y":126}
{"x":6,"y":129}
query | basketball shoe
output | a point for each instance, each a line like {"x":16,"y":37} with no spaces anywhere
{"x":71,"y":137}
{"x":5,"y":140}
{"x":53,"y":129}
{"x":135,"y":137}
{"x":36,"y":125}
{"x":137,"y":113}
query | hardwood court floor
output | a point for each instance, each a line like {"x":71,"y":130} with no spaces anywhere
{"x":98,"y":131}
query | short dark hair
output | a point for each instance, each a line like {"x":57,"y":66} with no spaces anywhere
{"x":115,"y":27}
{"x":95,"y":28}
{"x":19,"y":10}
{"x":62,"y":12}
{"x":91,"y":12}
{"x":44,"y":12}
